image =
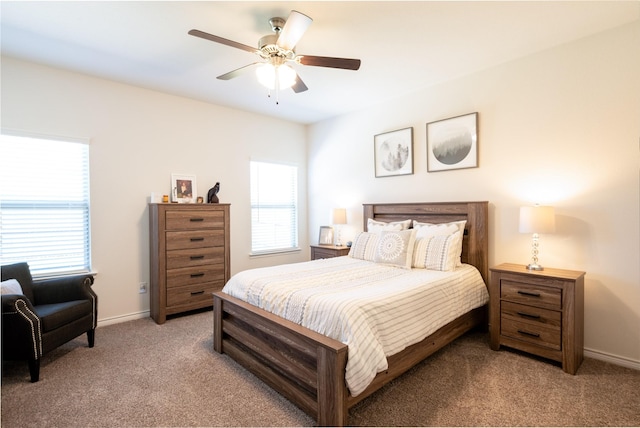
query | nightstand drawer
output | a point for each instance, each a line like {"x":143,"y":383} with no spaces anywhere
{"x":538,"y":334}
{"x":529,"y":294}
{"x":538,"y":317}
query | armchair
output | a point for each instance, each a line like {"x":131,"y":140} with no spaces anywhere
{"x":46,"y":315}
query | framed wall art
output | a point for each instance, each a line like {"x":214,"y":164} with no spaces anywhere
{"x":452,"y":143}
{"x":393,"y":153}
{"x":183,"y":188}
{"x":326,"y":235}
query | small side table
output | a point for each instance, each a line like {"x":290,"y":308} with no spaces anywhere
{"x":328,"y":251}
{"x":539,"y":312}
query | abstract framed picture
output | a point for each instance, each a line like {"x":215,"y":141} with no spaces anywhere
{"x":393,"y":153}
{"x":183,"y":188}
{"x":453,"y":143}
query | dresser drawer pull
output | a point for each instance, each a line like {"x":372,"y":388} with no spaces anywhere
{"x":527,"y":333}
{"x":196,"y":219}
{"x":196,"y":257}
{"x":524,"y":314}
{"x":196,"y":275}
{"x":197,"y":239}
{"x":528,"y":293}
{"x":196,"y":293}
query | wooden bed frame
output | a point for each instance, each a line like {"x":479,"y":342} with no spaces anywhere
{"x":309,"y":368}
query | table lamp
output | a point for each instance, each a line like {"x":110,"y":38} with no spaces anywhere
{"x":338,"y":217}
{"x":536,"y":220}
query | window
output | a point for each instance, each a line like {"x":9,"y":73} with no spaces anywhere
{"x":44,"y":204}
{"x":274,"y":207}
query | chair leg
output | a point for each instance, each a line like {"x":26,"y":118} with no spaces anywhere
{"x":34,"y":369}
{"x":91,"y":335}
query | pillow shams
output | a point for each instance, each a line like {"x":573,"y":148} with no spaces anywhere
{"x":437,"y":229}
{"x":375,"y":226}
{"x":395,"y":248}
{"x":364,"y":246}
{"x":437,"y":252}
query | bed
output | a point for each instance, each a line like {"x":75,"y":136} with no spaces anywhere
{"x":309,"y":368}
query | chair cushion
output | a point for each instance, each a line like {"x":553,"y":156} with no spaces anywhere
{"x":21,"y":273}
{"x":56,"y":315}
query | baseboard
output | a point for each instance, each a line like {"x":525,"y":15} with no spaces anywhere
{"x":613,"y":359}
{"x":123,"y":318}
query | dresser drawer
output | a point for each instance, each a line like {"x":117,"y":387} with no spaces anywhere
{"x":531,"y":294}
{"x":194,"y":239}
{"x":531,"y":333}
{"x":194,"y":257}
{"x":539,"y":317}
{"x":197,"y":294}
{"x":194,"y":219}
{"x":195,"y":275}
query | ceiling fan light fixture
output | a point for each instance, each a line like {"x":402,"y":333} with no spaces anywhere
{"x":270,"y":76}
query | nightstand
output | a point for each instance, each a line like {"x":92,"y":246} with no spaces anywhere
{"x":328,"y":251}
{"x":539,"y":312}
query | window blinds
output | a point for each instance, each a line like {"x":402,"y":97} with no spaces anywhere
{"x":274,"y":207}
{"x":44,"y":204}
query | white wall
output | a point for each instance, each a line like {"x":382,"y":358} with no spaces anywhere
{"x":138,"y":138}
{"x":561,"y":127}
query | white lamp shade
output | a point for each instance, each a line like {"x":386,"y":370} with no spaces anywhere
{"x":537,"y":220}
{"x":339,"y":216}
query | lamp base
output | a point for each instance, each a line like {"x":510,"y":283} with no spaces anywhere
{"x":532,"y":266}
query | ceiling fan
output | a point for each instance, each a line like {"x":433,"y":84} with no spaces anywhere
{"x":277,"y":51}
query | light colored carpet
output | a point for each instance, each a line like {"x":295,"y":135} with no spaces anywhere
{"x":143,"y":374}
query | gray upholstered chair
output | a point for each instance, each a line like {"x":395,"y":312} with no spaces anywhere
{"x":46,"y":315}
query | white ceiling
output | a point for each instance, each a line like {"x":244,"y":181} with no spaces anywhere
{"x":404,"y":46}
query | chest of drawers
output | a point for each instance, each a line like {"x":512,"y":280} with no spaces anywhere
{"x":189,"y":256}
{"x":539,"y":312}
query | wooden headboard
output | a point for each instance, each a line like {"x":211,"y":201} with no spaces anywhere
{"x":475,"y":246}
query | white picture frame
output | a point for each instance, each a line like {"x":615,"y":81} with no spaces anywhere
{"x":453,"y":143}
{"x":393,"y":153}
{"x":183,"y":188}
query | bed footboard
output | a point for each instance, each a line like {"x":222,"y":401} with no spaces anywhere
{"x":304,"y":366}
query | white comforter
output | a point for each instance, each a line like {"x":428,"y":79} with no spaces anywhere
{"x":376,"y":310}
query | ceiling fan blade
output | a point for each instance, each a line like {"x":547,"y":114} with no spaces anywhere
{"x":299,"y":86}
{"x":325,"y":61}
{"x":237,"y":72}
{"x":223,"y":41}
{"x":293,"y":29}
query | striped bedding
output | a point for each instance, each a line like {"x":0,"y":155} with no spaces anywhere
{"x":376,"y":310}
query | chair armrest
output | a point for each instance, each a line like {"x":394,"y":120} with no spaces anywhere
{"x":20,"y":328}
{"x":63,"y":289}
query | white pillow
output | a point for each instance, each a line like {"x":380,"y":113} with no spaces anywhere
{"x":437,"y":229}
{"x":376,"y":226}
{"x":364,"y":246}
{"x":10,"y":286}
{"x":437,"y":252}
{"x":395,"y":248}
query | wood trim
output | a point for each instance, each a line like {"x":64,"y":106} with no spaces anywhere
{"x":309,"y":368}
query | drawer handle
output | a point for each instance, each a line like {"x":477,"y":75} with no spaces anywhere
{"x":524,"y":314}
{"x":196,"y":257}
{"x":195,"y":293}
{"x":528,"y":293}
{"x":196,"y":275}
{"x":528,"y":333}
{"x":196,"y":219}
{"x":197,"y":239}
